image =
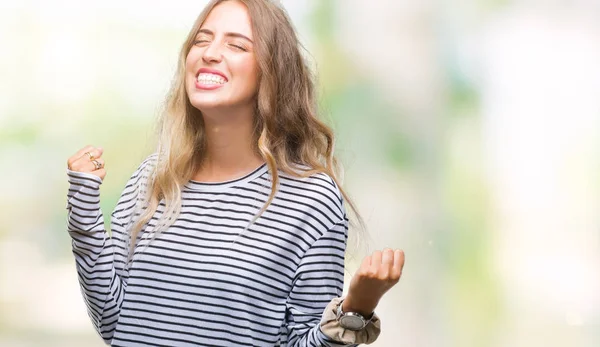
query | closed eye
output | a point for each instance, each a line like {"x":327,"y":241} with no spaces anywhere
{"x":239,"y":47}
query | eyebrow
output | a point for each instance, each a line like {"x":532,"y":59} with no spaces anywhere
{"x":228,"y":34}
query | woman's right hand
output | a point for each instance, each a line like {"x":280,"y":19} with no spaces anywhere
{"x":88,"y":160}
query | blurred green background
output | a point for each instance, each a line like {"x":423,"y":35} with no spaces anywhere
{"x":469,"y":133}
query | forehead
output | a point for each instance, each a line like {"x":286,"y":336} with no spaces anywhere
{"x":229,"y":16}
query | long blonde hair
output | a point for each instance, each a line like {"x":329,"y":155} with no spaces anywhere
{"x":287,"y":132}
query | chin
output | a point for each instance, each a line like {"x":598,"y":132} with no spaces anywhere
{"x":205,"y":105}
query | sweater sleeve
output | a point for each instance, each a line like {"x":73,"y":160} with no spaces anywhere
{"x":100,"y":258}
{"x":318,"y":280}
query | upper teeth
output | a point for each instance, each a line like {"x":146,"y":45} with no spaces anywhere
{"x":209,"y":78}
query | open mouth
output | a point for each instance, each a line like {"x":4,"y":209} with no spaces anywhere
{"x":209,"y":78}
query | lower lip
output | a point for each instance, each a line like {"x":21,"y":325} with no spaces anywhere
{"x":208,"y":86}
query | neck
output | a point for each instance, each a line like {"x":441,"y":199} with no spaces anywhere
{"x":230,"y":149}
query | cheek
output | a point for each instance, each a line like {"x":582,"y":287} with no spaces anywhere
{"x":250,"y":69}
{"x":190,"y":61}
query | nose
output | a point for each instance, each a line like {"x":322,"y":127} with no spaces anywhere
{"x":212,"y":53}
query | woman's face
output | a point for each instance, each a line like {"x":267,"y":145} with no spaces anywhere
{"x":221,"y":68}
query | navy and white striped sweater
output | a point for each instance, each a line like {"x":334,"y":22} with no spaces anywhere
{"x":193,"y":285}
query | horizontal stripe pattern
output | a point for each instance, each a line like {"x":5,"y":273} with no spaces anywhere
{"x":205,"y":281}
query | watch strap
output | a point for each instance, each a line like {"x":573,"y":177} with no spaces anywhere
{"x":331,"y":327}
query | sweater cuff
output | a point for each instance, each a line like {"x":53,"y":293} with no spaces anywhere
{"x":84,"y":178}
{"x":83,"y":187}
{"x":331,"y":327}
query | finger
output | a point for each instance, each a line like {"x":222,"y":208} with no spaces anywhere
{"x":398,"y":264}
{"x":375,"y":261}
{"x":365,"y":265}
{"x":93,"y":153}
{"x":85,"y":162}
{"x":82,"y":151}
{"x":85,"y":165}
{"x":100,"y":162}
{"x":90,"y":151}
{"x":100,"y":173}
{"x":96,"y":152}
{"x":82,"y":155}
{"x":78,"y":155}
{"x":387,"y":258}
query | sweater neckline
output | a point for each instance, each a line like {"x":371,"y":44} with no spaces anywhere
{"x":219,"y":186}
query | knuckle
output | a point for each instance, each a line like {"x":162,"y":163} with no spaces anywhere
{"x":384,"y":275}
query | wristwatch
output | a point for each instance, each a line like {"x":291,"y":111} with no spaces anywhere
{"x":351,"y":320}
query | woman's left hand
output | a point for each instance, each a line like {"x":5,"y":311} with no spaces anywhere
{"x":377,"y":274}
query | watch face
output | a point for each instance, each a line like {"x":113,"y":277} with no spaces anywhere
{"x":352,"y":322}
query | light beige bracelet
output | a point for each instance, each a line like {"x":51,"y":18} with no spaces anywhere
{"x":332,"y":328}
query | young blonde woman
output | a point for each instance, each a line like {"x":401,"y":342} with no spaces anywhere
{"x":234,"y":232}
